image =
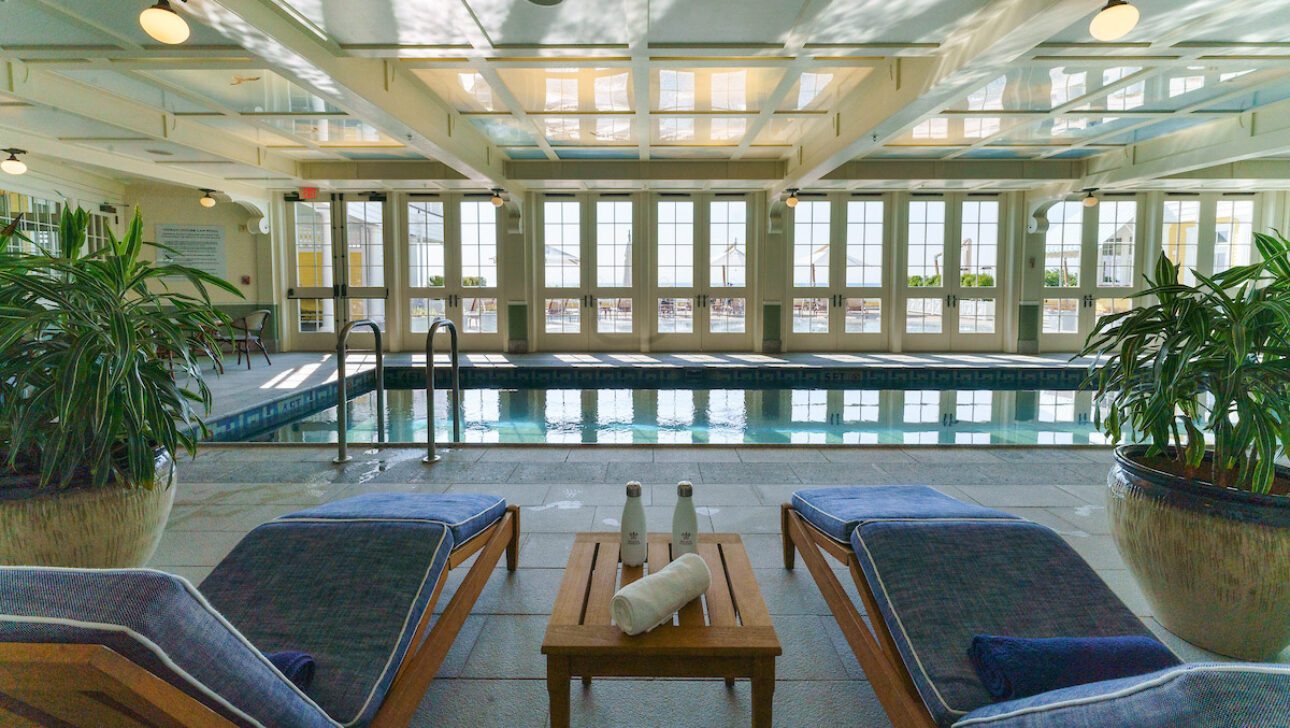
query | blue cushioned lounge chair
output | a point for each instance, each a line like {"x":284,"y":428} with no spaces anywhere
{"x":352,"y":583}
{"x":933,"y":572}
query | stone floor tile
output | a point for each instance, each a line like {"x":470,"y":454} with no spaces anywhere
{"x":746,"y":519}
{"x":658,"y":519}
{"x":516,"y":494}
{"x":477,"y":703}
{"x":599,"y":494}
{"x":808,"y":651}
{"x":558,"y":473}
{"x":545,"y":550}
{"x":510,"y":646}
{"x":846,"y":455}
{"x":1090,"y":519}
{"x":776,"y":455}
{"x":564,"y":517}
{"x":1019,"y":496}
{"x":841,"y":473}
{"x":525,"y":455}
{"x":696,"y":455}
{"x":611,"y":455}
{"x":653,"y":473}
{"x":193,"y":548}
{"x":705,"y":494}
{"x":748,"y":473}
{"x":790,"y":592}
{"x":241,"y":518}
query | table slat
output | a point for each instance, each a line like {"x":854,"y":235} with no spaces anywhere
{"x":604,"y":579}
{"x":743,"y":582}
{"x":721,"y":609}
{"x":573,"y":588}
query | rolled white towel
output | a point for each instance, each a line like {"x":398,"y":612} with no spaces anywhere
{"x":651,"y":601}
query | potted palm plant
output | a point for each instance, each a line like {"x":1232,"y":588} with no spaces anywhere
{"x":99,"y":388}
{"x":1199,"y":376}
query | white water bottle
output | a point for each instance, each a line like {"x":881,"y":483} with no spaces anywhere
{"x":685,"y":524}
{"x":632,"y":549}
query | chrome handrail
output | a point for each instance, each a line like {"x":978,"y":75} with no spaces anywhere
{"x":435,"y":325}
{"x":342,"y":396}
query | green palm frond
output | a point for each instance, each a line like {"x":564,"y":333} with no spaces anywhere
{"x":1203,"y":367}
{"x":88,"y":341}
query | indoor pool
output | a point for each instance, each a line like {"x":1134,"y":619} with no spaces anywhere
{"x":723,"y":416}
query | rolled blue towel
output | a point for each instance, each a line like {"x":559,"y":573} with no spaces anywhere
{"x":295,"y":666}
{"x":1017,"y":667}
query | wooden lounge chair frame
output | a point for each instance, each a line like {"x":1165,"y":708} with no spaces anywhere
{"x":873,"y":648}
{"x":46,"y":685}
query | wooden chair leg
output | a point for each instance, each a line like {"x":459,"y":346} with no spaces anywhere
{"x":513,"y":548}
{"x":790,"y":553}
{"x":264,"y":351}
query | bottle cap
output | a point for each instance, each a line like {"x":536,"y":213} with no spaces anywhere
{"x":684,"y":489}
{"x":633,"y":489}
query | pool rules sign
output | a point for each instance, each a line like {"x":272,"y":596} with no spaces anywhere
{"x":196,"y":246}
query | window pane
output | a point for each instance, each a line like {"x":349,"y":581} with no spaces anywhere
{"x":864,"y":243}
{"x":40,"y":221}
{"x":479,"y":315}
{"x":479,"y":246}
{"x":979,"y":252}
{"x":365,"y":230}
{"x":317,"y":315}
{"x":809,"y":405}
{"x":614,"y":243}
{"x":426,"y":244}
{"x":1116,"y":238}
{"x":1180,"y":234}
{"x":1108,"y":306}
{"x":562,"y":244}
{"x":926,"y":244}
{"x":863,"y":316}
{"x":726,"y":315}
{"x":1062,"y":244}
{"x":923,"y":315}
{"x":810,"y":315}
{"x":1234,"y":225}
{"x":860,"y":405}
{"x":675,"y":244}
{"x":923,"y":406}
{"x":313,"y":245}
{"x":367,"y":308}
{"x":974,"y":406}
{"x":976,"y":315}
{"x":675,"y":315}
{"x":426,"y":310}
{"x":728,"y":243}
{"x":1061,"y":316}
{"x":614,"y":315}
{"x":811,"y":243}
{"x":563,"y":315}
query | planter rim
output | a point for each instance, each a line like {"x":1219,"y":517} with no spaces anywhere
{"x":1126,"y":457}
{"x":19,"y":487}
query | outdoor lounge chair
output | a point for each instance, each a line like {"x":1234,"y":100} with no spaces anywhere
{"x":933,"y":572}
{"x":352,"y":583}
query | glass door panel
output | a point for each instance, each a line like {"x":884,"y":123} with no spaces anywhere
{"x":811,"y":301}
{"x":427,"y":262}
{"x":862,"y":298}
{"x":474,"y":304}
{"x":610,"y":270}
{"x":974,"y":288}
{"x":675,"y":300}
{"x":364,"y":290}
{"x":1064,"y":295}
{"x":314,"y":287}
{"x":564,"y":298}
{"x":926,"y":302}
{"x":724,"y":303}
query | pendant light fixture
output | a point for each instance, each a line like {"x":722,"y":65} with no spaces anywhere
{"x":13,"y":165}
{"x":1090,"y":199}
{"x":208,"y":198}
{"x":1114,"y":21}
{"x":497,"y":197}
{"x":791,"y":200}
{"x":164,"y":25}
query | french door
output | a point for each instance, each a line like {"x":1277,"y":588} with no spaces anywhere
{"x":588,"y":263}
{"x":839,"y":279}
{"x":952,"y":279}
{"x":700,"y":293}
{"x":452,"y":269}
{"x":338,"y":268}
{"x":1092,"y":259}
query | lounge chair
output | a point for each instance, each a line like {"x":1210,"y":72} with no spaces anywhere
{"x":352,"y":583}
{"x":933,"y":572}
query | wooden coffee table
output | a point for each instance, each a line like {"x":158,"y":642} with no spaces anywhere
{"x":726,"y":633}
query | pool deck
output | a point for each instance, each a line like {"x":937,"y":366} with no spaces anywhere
{"x":495,"y":676}
{"x":239,"y":388}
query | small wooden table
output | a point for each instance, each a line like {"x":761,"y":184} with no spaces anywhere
{"x":726,"y":633}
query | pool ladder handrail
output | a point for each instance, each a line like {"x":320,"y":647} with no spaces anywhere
{"x":431,"y":456}
{"x":342,"y":395}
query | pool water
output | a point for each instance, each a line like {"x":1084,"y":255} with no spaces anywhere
{"x":723,"y":416}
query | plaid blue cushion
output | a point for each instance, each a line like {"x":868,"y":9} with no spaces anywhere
{"x":159,"y":622}
{"x":350,"y":594}
{"x":837,"y":511}
{"x":938,"y":583}
{"x":466,"y":515}
{"x":1203,"y":694}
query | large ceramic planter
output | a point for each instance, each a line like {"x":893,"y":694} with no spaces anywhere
{"x":97,"y":528}
{"x":1213,"y":562}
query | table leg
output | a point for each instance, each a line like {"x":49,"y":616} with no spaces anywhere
{"x":557,"y":685}
{"x":763,"y":692}
{"x":586,"y":681}
{"x":730,"y":682}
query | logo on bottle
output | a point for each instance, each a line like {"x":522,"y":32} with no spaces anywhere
{"x":687,"y":536}
{"x":633,"y":537}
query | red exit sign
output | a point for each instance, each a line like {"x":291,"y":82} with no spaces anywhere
{"x":308,"y":193}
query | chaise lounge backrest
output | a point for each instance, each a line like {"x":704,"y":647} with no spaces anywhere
{"x":161,"y":623}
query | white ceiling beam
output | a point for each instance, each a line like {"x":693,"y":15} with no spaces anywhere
{"x":1251,"y":170}
{"x":49,"y":89}
{"x":73,"y":154}
{"x":636,"y":20}
{"x":958,"y":169}
{"x":1261,"y":133}
{"x":883,"y":107}
{"x":379,"y":91}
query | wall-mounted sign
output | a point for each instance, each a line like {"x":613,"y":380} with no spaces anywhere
{"x":196,"y":246}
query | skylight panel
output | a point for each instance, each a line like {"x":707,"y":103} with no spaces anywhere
{"x":729,"y":91}
{"x":1067,"y":86}
{"x":561,"y":94}
{"x":611,"y":93}
{"x":676,"y":90}
{"x":473,"y":84}
{"x":811,"y":85}
{"x":676,"y":130}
